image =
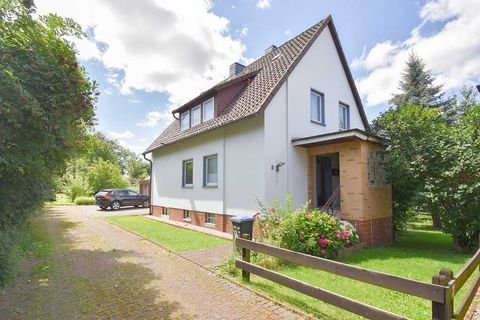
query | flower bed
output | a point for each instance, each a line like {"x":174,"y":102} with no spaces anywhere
{"x":305,"y":230}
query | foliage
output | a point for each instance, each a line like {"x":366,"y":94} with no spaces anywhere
{"x":84,"y":201}
{"x":433,"y":166}
{"x":227,"y":267}
{"x":305,"y":230}
{"x":46,"y":106}
{"x":417,"y":86}
{"x":104,"y":174}
{"x":74,"y":182}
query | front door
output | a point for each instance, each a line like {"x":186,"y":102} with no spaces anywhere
{"x":323,"y":179}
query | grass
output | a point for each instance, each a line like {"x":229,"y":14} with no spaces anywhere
{"x":173,"y":238}
{"x":418,"y":255}
{"x":60,"y":200}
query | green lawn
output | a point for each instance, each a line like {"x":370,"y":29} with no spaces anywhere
{"x":418,"y":255}
{"x":60,"y":200}
{"x":173,"y":238}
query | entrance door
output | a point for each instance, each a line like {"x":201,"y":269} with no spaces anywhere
{"x":323,"y":179}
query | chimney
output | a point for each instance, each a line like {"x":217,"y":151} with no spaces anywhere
{"x":236,"y":68}
{"x":270,"y":49}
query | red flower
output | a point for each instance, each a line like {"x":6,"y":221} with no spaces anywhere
{"x":323,"y":251}
{"x":323,"y":242}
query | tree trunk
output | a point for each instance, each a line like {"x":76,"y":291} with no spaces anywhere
{"x":436,"y":221}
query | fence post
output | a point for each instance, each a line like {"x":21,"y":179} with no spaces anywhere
{"x":443,"y":311}
{"x":246,"y":257}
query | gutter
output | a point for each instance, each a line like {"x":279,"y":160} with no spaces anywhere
{"x":150,"y":187}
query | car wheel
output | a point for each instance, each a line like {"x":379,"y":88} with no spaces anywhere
{"x":115,"y":205}
{"x":146,"y":204}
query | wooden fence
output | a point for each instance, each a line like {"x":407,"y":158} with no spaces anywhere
{"x":441,"y":291}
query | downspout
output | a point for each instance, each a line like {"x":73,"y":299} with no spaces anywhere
{"x":150,"y":187}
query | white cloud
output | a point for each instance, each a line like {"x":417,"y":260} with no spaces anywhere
{"x":264,"y":4}
{"x":134,"y":101}
{"x":154,"y":117}
{"x":451,"y":53}
{"x":288,"y":32}
{"x":243,"y":32}
{"x":120,"y":135}
{"x":154,"y":45}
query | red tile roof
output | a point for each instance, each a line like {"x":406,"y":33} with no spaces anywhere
{"x":267,"y":75}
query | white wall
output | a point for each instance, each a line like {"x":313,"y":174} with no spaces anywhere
{"x":288,"y":117}
{"x":240,"y":170}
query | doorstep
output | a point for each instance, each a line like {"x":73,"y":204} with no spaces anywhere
{"x":208,"y":231}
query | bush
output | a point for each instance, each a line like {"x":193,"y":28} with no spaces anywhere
{"x":305,"y":230}
{"x":84,"y":201}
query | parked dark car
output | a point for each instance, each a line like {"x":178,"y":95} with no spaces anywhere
{"x":116,"y":198}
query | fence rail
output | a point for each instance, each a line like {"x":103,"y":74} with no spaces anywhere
{"x":441,"y":291}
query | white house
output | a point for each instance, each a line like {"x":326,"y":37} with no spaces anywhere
{"x":290,"y":122}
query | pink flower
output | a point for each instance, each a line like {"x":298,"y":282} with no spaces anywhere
{"x":322,"y":236}
{"x":323,"y":242}
{"x":345,"y":234}
{"x":256,"y":215}
{"x":273,"y":210}
{"x":323,"y":251}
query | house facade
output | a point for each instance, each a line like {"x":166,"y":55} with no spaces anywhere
{"x":290,"y":122}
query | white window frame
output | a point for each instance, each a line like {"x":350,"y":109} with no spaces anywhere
{"x":206,"y":183}
{"x":187,"y":215}
{"x":321,"y":107}
{"x":184,"y":173}
{"x":182,"y":115}
{"x":203,"y":109}
{"x":199,"y":108}
{"x":164,"y":211}
{"x":210,"y":218}
{"x":345,"y":109}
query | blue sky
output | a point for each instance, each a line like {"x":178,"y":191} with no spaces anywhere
{"x":150,"y":56}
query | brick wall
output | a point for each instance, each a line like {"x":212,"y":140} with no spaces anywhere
{"x":374,"y":232}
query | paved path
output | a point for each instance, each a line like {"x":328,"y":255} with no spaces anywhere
{"x":100,"y":271}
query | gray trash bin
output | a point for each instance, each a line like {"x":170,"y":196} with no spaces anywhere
{"x":242,"y":225}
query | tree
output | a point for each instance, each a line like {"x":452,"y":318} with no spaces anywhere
{"x":417,"y":86}
{"x":46,"y":107}
{"x":105,"y":175}
{"x":409,"y":135}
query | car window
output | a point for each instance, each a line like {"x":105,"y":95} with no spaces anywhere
{"x":132,"y":193}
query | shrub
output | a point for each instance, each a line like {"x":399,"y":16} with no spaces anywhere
{"x":305,"y":230}
{"x":84,"y":201}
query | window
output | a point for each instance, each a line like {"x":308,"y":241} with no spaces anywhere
{"x":343,"y":116}
{"x":196,"y":115}
{"x":185,"y":122}
{"x":132,"y":193}
{"x":208,"y":109}
{"x":165,"y":211}
{"x":317,"y":107}
{"x":210,"y":171}
{"x":186,"y":215}
{"x":210,"y":218}
{"x":187,"y":173}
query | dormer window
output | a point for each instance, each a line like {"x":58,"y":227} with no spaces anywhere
{"x":208,"y":109}
{"x":185,"y":120}
{"x":196,"y":115}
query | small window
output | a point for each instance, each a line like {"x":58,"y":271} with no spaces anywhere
{"x":343,"y":116}
{"x":208,"y":109}
{"x":196,"y":115}
{"x":317,"y":107}
{"x":186,"y":214}
{"x":210,"y":218}
{"x":187,"y":173}
{"x":165,"y":211}
{"x":185,"y":120}
{"x":210,"y":171}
